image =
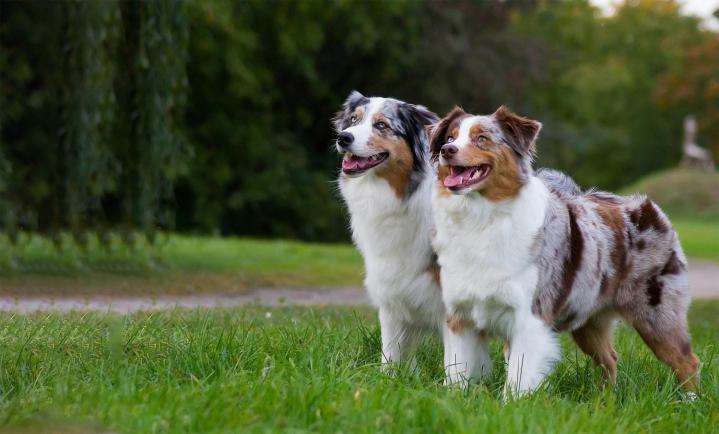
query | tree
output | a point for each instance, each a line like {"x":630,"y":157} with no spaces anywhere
{"x":693,"y":88}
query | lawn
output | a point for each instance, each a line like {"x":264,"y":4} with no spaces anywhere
{"x":181,"y":264}
{"x":302,"y":370}
{"x":190,"y":264}
{"x":699,"y":238}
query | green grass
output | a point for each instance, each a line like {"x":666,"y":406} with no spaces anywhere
{"x":312,"y":370}
{"x":682,"y":193}
{"x":302,"y":264}
{"x":189,"y":264}
{"x":177,"y":264}
{"x":700,"y":239}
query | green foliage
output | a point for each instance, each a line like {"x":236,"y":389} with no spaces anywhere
{"x":87,"y":164}
{"x":602,"y":123}
{"x":92,"y":93}
{"x":213,"y":116}
{"x":300,"y":370}
{"x":265,"y":78}
{"x":160,"y":150}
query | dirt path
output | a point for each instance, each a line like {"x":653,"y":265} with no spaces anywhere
{"x":703,"y":280}
{"x":120,"y":304}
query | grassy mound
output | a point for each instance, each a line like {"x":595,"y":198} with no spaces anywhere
{"x":682,"y":192}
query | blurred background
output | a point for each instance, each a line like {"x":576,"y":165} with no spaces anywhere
{"x":127,"y":127}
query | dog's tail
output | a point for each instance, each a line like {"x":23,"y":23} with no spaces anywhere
{"x":558,"y":182}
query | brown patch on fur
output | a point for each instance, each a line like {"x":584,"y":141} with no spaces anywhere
{"x":454,"y":130}
{"x":595,"y":340}
{"x":604,"y":197}
{"x":686,"y":348}
{"x":434,"y":270}
{"x":359,"y":112}
{"x":397,"y":170}
{"x":603,"y":286}
{"x":520,"y":131}
{"x":476,"y":132}
{"x":441,"y":132}
{"x":565,"y":323}
{"x":654,"y":291}
{"x":676,"y":351}
{"x":572,"y":261}
{"x":673,"y":265}
{"x":646,"y":217}
{"x":504,"y":182}
{"x":443,"y":173}
{"x":457,"y":324}
{"x":641,"y":245}
{"x":612,"y":217}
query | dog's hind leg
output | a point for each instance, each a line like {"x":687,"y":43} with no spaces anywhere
{"x":595,"y":338}
{"x":659,"y":314}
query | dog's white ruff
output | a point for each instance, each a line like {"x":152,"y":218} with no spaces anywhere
{"x":489,"y":277}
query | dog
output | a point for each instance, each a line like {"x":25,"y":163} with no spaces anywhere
{"x":524,"y":256}
{"x":385,"y":182}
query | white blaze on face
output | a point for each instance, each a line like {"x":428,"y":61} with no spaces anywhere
{"x":363,"y":130}
{"x":463,"y":140}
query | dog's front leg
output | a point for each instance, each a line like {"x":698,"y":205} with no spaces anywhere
{"x":466,"y":354}
{"x":533,"y":351}
{"x":398,"y":339}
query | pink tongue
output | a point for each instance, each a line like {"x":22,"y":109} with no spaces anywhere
{"x":458,"y":178}
{"x":355,"y":163}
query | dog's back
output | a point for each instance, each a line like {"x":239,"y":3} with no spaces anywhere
{"x":619,"y":255}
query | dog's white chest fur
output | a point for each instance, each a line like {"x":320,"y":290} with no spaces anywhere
{"x":393,"y":236}
{"x":485,"y":251}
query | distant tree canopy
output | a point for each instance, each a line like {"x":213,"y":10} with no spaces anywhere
{"x":213,"y":116}
{"x":92,"y":104}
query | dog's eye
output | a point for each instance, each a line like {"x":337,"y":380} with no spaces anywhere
{"x":450,"y":139}
{"x":380,"y":125}
{"x":353,"y":120}
{"x":482,"y":138}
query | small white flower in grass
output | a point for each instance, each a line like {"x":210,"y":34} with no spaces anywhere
{"x":269,"y":364}
{"x":268,"y":315}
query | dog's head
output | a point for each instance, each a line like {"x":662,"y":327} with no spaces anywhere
{"x":383,"y":136}
{"x":491,"y":155}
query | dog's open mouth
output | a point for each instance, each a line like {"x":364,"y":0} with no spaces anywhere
{"x":354,"y":165}
{"x":462,"y":177}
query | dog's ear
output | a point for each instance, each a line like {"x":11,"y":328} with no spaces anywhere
{"x":414,"y":119}
{"x":521,"y":132}
{"x":423,"y":115}
{"x":354,"y":100}
{"x":438,"y":132}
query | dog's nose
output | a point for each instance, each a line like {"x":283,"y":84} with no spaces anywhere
{"x":344,"y":139}
{"x":448,"y":151}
